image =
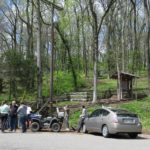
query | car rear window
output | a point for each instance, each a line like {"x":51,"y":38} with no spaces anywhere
{"x":123,"y":113}
{"x":127,"y":115}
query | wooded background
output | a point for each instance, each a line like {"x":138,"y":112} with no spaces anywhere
{"x":41,"y":40}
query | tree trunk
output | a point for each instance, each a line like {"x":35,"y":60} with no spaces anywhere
{"x":52,"y":57}
{"x":135,"y":50}
{"x":85,"y":62}
{"x":39,"y":66}
{"x":147,"y":14}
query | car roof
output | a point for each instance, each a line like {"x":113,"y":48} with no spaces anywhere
{"x":116,"y":110}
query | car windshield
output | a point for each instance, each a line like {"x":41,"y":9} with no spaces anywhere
{"x":123,"y":113}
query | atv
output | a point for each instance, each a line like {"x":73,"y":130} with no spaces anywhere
{"x":54,"y":123}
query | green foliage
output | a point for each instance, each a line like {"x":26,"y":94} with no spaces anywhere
{"x":107,"y":84}
{"x":63,"y":83}
{"x":81,"y":81}
{"x":18,"y":73}
{"x":143,"y":72}
{"x":141,"y":83}
{"x":28,"y":97}
{"x":74,"y":118}
{"x":3,"y":97}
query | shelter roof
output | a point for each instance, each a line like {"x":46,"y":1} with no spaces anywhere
{"x":124,"y":76}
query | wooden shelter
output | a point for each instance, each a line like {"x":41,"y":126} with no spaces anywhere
{"x":125,"y":84}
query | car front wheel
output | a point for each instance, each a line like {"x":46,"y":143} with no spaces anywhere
{"x":105,"y":131}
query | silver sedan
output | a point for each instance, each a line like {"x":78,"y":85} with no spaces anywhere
{"x":113,"y":121}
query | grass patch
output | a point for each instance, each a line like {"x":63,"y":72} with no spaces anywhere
{"x":141,"y":83}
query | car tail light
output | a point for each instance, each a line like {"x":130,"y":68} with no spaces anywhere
{"x":114,"y":119}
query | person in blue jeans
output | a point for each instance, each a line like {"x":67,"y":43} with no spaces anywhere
{"x":22,"y":113}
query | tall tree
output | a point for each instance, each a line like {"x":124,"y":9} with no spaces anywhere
{"x":96,"y":30}
{"x":147,"y":15}
{"x":39,"y":65}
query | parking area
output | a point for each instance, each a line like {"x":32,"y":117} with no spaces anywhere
{"x":70,"y":141}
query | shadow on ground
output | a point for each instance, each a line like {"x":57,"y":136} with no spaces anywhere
{"x":123,"y":136}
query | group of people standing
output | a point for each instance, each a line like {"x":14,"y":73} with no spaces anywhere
{"x":14,"y":116}
{"x":19,"y":115}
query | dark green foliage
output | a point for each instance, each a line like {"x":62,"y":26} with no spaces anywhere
{"x":18,"y":73}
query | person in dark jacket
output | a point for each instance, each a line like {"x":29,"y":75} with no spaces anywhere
{"x":13,"y":116}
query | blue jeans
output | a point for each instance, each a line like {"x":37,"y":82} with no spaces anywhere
{"x":13,"y":122}
{"x":80,"y":125}
{"x":23,"y":119}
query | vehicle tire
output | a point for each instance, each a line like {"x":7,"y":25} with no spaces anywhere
{"x":35,"y":126}
{"x":84,"y":129}
{"x":105,"y":131}
{"x":133,"y":135}
{"x":56,"y":127}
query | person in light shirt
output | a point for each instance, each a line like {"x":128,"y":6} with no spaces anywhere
{"x":22,"y":114}
{"x":29,"y":110}
{"x":66,"y":117}
{"x":4,"y":111}
{"x":83,"y":115}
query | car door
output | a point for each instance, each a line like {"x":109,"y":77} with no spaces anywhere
{"x":104,"y":118}
{"x":91,"y":122}
{"x":98,"y":121}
